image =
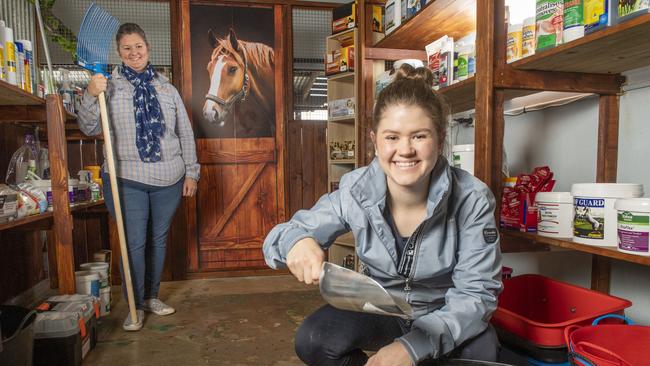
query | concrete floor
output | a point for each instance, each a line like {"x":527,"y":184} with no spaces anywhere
{"x":230,"y":321}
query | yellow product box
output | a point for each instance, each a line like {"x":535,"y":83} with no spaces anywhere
{"x":344,"y":17}
{"x":340,"y":60}
{"x":377,"y":18}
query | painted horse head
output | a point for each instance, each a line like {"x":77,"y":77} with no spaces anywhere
{"x":229,"y":77}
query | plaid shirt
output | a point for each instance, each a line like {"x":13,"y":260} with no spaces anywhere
{"x":177,"y":144}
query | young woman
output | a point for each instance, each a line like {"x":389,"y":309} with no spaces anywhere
{"x":155,"y":159}
{"x":424,"y":230}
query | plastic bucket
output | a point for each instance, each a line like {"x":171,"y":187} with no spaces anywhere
{"x":633,"y":225}
{"x":463,"y":157}
{"x":17,"y":325}
{"x":87,"y":283}
{"x":105,"y":301}
{"x":102,"y":270}
{"x":555,"y":214}
{"x":595,"y":221}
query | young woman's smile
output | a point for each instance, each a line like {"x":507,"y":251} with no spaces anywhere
{"x":406,"y":145}
{"x":134,"y":51}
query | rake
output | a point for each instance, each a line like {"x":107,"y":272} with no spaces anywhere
{"x":97,"y":30}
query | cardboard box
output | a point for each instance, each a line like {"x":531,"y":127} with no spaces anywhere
{"x":341,"y":107}
{"x":393,"y":17}
{"x":340,"y":60}
{"x":377,"y":18}
{"x":344,"y":17}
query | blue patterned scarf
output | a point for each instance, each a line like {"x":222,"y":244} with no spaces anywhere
{"x":149,"y":121}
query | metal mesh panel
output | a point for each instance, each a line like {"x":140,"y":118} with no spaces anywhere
{"x":153,"y":17}
{"x":19,"y":15}
{"x":310,"y":29}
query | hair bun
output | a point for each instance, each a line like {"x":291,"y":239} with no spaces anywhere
{"x":407,"y":71}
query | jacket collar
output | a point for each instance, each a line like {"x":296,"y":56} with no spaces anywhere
{"x":370,"y":188}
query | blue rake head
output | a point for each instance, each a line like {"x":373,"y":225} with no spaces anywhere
{"x":96,"y":33}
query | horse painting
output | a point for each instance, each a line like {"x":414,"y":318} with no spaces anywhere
{"x":242,"y":89}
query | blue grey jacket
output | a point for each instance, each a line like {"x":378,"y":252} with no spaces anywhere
{"x":450,"y":271}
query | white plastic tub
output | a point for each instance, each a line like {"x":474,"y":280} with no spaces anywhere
{"x":463,"y":157}
{"x":595,"y":221}
{"x":555,"y":218}
{"x":633,"y":225}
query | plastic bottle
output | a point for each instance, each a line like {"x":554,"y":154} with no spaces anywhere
{"x":574,"y":21}
{"x":528,"y":37}
{"x":20,"y":65}
{"x":3,"y":75}
{"x":514,"y":42}
{"x":10,"y":55}
{"x":30,"y":72}
{"x":66,"y":91}
{"x":24,"y":160}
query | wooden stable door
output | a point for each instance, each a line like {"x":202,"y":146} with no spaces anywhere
{"x":237,"y":202}
{"x":241,"y":193}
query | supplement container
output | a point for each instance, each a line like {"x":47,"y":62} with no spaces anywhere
{"x":633,"y":225}
{"x":555,"y":214}
{"x":574,"y":21}
{"x":514,"y":42}
{"x":528,"y":37}
{"x":594,"y":221}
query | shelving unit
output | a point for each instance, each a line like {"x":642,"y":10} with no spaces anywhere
{"x":18,"y":106}
{"x":590,"y":65}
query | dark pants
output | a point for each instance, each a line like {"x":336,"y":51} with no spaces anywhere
{"x":147,"y":212}
{"x":331,"y":336}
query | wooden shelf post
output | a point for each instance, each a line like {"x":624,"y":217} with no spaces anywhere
{"x":62,"y":231}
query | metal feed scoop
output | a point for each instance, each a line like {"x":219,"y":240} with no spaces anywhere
{"x":348,"y":290}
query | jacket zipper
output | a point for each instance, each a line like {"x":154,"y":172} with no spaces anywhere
{"x":411,"y":272}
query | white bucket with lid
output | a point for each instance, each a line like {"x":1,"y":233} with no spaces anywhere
{"x":595,"y":221}
{"x":87,"y":283}
{"x":555,"y":214}
{"x":633,"y":225}
{"x":102,"y":270}
{"x":463,"y":157}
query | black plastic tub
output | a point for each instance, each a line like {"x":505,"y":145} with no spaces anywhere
{"x":17,"y":325}
{"x":527,"y":348}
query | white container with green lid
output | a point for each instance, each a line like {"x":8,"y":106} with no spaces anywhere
{"x":633,"y":225}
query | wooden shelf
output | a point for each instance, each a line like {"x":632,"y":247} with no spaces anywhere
{"x":462,"y":95}
{"x":347,"y":36}
{"x":13,"y":95}
{"x":455,"y":18}
{"x":343,"y":75}
{"x":40,"y":219}
{"x":619,"y":48}
{"x":343,"y":119}
{"x":44,"y":221}
{"x":343,"y":161}
{"x":610,"y":252}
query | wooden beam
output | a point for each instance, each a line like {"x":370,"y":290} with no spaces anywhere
{"x":509,"y":78}
{"x":393,"y":54}
{"x":601,"y":268}
{"x":63,"y":243}
{"x":22,"y":113}
{"x":484,"y":117}
{"x":607,"y":158}
{"x":365,"y":84}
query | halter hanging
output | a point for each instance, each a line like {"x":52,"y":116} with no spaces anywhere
{"x":239,"y":97}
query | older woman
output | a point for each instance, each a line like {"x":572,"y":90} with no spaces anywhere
{"x":155,"y":160}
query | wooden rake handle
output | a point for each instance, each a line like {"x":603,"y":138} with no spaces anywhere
{"x":110,"y":157}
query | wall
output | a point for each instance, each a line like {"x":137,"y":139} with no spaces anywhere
{"x":564,"y":138}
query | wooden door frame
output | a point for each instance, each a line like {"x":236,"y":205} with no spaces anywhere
{"x":184,"y":232}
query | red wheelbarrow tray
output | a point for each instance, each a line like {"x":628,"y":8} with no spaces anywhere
{"x":537,"y":308}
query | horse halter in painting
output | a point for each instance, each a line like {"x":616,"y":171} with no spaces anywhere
{"x":239,"y":97}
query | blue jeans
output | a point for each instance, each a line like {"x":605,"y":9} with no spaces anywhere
{"x":147,"y":212}
{"x":334,"y":337}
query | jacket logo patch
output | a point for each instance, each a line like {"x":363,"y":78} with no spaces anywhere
{"x":490,"y":235}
